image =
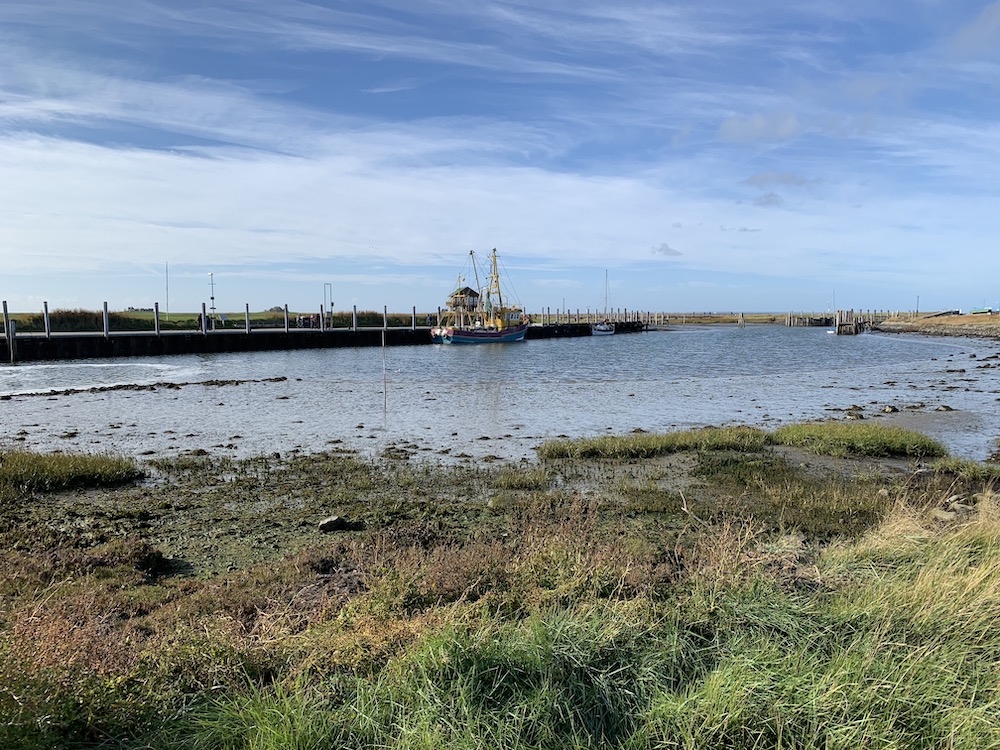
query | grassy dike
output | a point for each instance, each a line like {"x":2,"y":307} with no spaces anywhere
{"x":811,"y":587}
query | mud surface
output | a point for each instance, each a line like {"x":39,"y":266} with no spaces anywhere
{"x":208,"y":515}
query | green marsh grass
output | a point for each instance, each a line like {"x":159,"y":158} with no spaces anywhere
{"x":970,"y":471}
{"x":853,"y":439}
{"x":23,"y":472}
{"x":626,"y":611}
{"x":826,"y":438}
{"x":647,"y":445}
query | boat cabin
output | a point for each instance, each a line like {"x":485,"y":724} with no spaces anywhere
{"x":465,"y":299}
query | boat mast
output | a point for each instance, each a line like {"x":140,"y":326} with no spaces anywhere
{"x":605,"y":293}
{"x":495,"y":280}
{"x":472,"y":259}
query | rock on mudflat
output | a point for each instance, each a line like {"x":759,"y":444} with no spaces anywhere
{"x":335,"y":523}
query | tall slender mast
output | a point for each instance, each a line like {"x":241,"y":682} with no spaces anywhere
{"x":495,"y":280}
{"x":605,"y":292}
{"x":472,"y":256}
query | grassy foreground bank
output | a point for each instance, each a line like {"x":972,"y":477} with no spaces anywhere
{"x":732,"y":592}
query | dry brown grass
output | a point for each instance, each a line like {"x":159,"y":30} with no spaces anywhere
{"x":946,"y":325}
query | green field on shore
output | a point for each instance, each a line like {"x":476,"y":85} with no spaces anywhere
{"x":816,"y":587}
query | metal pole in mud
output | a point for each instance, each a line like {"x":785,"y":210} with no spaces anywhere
{"x":246,"y":317}
{"x":385,"y":317}
{"x":156,"y":318}
{"x":107,"y":324}
{"x":413,"y":319}
{"x":204,"y":320}
{"x":354,"y":319}
{"x":48,"y":328}
{"x":286,"y":318}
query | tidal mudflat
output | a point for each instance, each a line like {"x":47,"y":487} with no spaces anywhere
{"x":817,"y":585}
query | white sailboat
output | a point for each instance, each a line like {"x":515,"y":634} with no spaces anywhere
{"x":605,"y":327}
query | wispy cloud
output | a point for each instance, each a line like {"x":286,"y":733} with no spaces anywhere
{"x":573,"y":136}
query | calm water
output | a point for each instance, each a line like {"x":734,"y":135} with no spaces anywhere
{"x":505,"y":400}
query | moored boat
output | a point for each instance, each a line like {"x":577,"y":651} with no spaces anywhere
{"x":605,"y":327}
{"x":479,"y":316}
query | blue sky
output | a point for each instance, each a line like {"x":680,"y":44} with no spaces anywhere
{"x":715,"y":155}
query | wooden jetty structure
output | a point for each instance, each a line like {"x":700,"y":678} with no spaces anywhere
{"x":807,"y":320}
{"x":842,"y":322}
{"x":850,"y":323}
{"x":49,"y":345}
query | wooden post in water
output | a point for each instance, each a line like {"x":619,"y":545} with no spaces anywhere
{"x":156,"y":318}
{"x":48,"y":328}
{"x":413,"y":319}
{"x":286,"y":318}
{"x":8,"y":331}
{"x":246,"y":317}
{"x":204,"y":320}
{"x":354,"y":319}
{"x":385,"y":317}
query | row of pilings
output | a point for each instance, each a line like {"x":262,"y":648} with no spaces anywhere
{"x":209,"y":337}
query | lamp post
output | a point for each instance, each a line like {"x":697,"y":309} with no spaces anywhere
{"x":211,"y":283}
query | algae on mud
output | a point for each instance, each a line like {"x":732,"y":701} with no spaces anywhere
{"x":716,"y":596}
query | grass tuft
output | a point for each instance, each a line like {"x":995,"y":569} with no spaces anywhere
{"x":23,"y":472}
{"x":648,"y":445}
{"x":851,"y":439}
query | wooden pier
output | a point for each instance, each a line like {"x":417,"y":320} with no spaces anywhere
{"x":809,"y":320}
{"x":49,"y":345}
{"x":843,"y":322}
{"x":850,"y":323}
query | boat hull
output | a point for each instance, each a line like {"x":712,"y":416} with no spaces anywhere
{"x":450,"y":335}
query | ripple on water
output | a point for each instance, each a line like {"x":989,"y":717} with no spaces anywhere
{"x":503,"y":401}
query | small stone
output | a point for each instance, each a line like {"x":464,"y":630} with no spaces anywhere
{"x":944,"y":407}
{"x":942,"y":515}
{"x":890,"y":409}
{"x":334,"y":523}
